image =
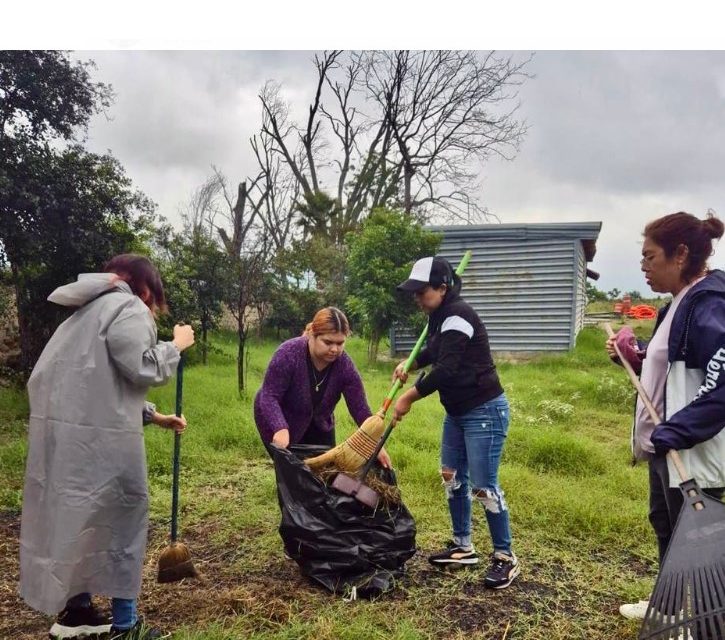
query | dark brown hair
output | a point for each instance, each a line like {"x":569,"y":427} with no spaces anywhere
{"x":681,"y":228}
{"x":328,"y":320}
{"x":140,"y":274}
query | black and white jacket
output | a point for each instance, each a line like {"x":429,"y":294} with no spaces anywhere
{"x":694,"y":420}
{"x":463,"y":370}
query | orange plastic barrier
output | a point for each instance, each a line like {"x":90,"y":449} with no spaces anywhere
{"x":642,"y":312}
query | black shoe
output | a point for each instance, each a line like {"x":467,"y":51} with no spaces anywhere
{"x":139,"y":631}
{"x":454,"y":554}
{"x":502,"y":571}
{"x":80,"y":622}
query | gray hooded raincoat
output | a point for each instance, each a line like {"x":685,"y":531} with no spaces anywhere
{"x":85,"y":502}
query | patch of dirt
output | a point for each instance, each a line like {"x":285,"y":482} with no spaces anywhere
{"x":16,"y":619}
{"x":220,"y":591}
{"x":642,"y":567}
{"x":227,"y":588}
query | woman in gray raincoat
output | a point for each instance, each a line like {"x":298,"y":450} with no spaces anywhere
{"x":85,"y":501}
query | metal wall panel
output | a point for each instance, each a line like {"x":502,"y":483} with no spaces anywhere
{"x":527,"y":282}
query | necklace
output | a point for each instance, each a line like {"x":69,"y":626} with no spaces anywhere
{"x":318,"y":383}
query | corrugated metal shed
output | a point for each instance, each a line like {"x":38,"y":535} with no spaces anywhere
{"x":526,"y":281}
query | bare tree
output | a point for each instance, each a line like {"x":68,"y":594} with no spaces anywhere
{"x":202,"y":210}
{"x":396,"y":128}
{"x":248,"y":251}
{"x":279,"y":192}
{"x":447,"y":110}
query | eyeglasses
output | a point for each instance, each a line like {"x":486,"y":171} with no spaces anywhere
{"x":648,"y":259}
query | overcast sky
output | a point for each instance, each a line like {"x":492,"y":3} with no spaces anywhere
{"x":620,"y":137}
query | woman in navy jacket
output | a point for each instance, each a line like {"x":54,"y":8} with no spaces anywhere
{"x":681,"y":369}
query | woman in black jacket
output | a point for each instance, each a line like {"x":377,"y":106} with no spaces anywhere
{"x":477,"y":415}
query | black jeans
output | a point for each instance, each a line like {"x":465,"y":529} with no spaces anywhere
{"x":665,"y":503}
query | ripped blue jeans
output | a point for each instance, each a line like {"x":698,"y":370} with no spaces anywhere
{"x":470,"y":454}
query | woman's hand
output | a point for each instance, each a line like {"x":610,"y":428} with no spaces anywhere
{"x":183,"y":336}
{"x":384,"y":459}
{"x":401,"y":408}
{"x":176,"y":423}
{"x":609,"y":346}
{"x":281,"y":438}
{"x":400,"y":374}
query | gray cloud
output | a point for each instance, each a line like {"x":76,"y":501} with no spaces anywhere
{"x":621,"y":137}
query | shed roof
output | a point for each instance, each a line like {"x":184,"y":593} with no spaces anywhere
{"x":587,"y":232}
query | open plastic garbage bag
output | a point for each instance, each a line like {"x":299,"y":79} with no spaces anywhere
{"x":338,"y":542}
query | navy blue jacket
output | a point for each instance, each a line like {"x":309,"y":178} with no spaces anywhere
{"x":695,"y":392}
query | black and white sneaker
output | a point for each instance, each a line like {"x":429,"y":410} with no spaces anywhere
{"x":454,"y":554}
{"x":81,"y":622}
{"x":502,"y":571}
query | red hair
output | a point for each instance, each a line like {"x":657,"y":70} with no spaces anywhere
{"x":141,"y":275}
{"x":328,"y":320}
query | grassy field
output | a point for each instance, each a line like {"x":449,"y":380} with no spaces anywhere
{"x":578,"y":512}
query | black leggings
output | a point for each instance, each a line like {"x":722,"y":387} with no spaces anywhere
{"x":665,"y":503}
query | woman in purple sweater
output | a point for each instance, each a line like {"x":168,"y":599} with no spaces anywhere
{"x":304,"y":382}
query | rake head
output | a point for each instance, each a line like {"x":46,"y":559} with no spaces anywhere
{"x":688,"y":601}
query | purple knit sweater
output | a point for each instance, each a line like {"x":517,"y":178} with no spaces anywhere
{"x":285,"y":400}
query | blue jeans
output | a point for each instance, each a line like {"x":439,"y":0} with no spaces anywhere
{"x":470,"y":454}
{"x":122,"y":609}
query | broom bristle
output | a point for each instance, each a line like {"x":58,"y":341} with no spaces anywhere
{"x":351,"y":455}
{"x":389,"y":494}
{"x":175,"y":564}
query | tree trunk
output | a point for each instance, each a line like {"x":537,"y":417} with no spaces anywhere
{"x":204,"y":342}
{"x":373,"y":345}
{"x":242,"y":335}
{"x":407,"y":180}
{"x":26,"y":356}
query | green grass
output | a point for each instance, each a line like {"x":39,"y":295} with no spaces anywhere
{"x":578,"y":510}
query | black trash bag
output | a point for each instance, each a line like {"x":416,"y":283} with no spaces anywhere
{"x":337,"y":541}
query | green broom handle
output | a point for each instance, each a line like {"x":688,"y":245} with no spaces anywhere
{"x":419,"y":344}
{"x":177,"y":453}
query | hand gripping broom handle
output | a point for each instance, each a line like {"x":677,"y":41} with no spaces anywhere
{"x":372,"y":459}
{"x":418,"y":345}
{"x":673,"y":455}
{"x":177,"y":452}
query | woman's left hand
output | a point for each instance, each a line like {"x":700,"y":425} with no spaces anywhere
{"x":384,"y":459}
{"x":176,"y":423}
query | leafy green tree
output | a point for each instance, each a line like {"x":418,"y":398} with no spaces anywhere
{"x":291,"y":306}
{"x":613,"y":294}
{"x":62,"y":210}
{"x":316,"y":264}
{"x":594,"y":294}
{"x":62,"y":213}
{"x":380,"y":258}
{"x":195,"y":271}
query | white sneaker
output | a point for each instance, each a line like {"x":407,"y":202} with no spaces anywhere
{"x":634,"y":611}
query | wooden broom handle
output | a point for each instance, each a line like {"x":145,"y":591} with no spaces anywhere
{"x":672,"y":453}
